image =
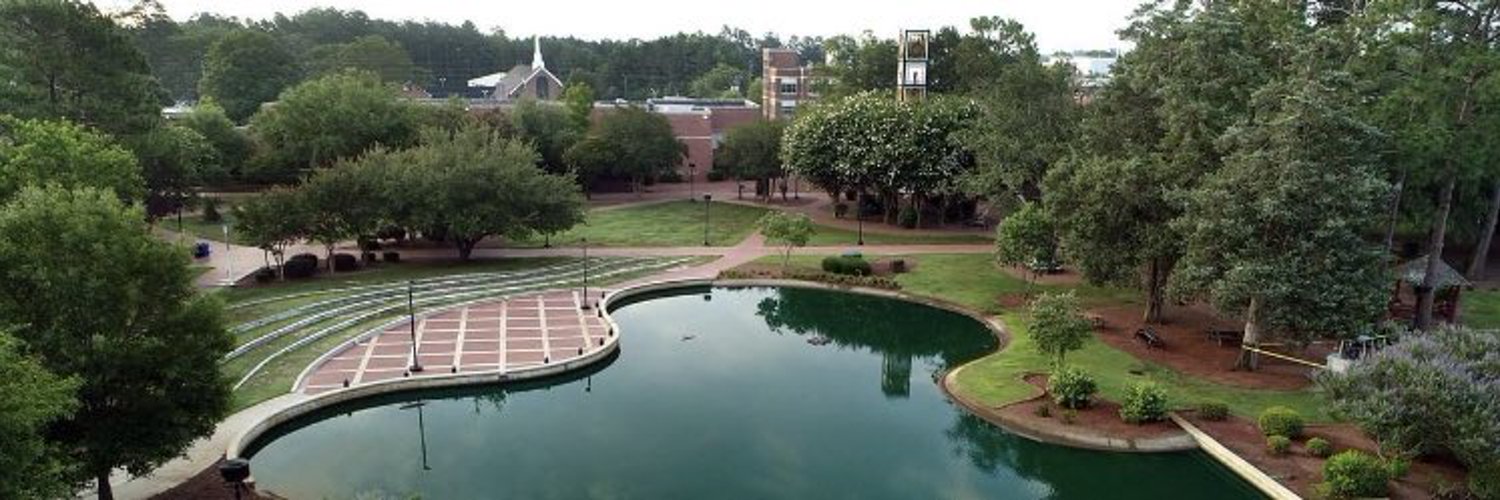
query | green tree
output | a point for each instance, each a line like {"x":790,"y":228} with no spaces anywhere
{"x":348,"y":201}
{"x":753,"y":151}
{"x":1027,"y":237}
{"x":64,"y":59}
{"x":142,"y":342}
{"x":790,"y":230}
{"x":1057,"y":325}
{"x":337,"y":116}
{"x":232,"y":146}
{"x":1278,"y":235}
{"x":174,"y":160}
{"x":1028,"y":122}
{"x":859,"y":64}
{"x":272,"y":221}
{"x":42,"y":152}
{"x":638,"y":145}
{"x":371,"y":53}
{"x":723,"y":81}
{"x":31,"y":398}
{"x":550,"y":129}
{"x":244,"y":69}
{"x":579,"y":99}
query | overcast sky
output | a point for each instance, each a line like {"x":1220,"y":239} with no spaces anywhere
{"x":1058,"y":24}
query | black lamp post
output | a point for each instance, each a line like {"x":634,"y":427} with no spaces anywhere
{"x":692,"y":181}
{"x":706,"y":198}
{"x":859,"y":215}
{"x":421,"y":429}
{"x":411,"y":311}
{"x":585,"y":295}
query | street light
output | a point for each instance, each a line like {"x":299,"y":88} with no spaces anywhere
{"x":585,"y":295}
{"x":706,"y":198}
{"x":692,"y":181}
{"x":411,"y":311}
{"x":228,"y":259}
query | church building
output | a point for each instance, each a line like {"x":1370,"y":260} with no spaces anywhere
{"x":522,"y":81}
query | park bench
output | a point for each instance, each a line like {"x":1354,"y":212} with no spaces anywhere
{"x":1222,"y":336}
{"x":1150,"y":338}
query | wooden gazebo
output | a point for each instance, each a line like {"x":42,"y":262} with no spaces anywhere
{"x":1449,"y":285}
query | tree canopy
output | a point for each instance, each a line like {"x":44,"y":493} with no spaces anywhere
{"x":630,"y":142}
{"x":31,"y":399}
{"x":45,"y":152}
{"x":332,"y":117}
{"x":244,"y":69}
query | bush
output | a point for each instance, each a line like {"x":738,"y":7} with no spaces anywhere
{"x":1354,"y":473}
{"x":907,"y":217}
{"x":851,"y":265}
{"x":211,"y":211}
{"x":898,"y":266}
{"x":343,"y":262}
{"x":1319,"y":447}
{"x":1144,"y":402}
{"x":299,"y":268}
{"x":670,"y":177}
{"x":840,"y":209}
{"x":715,"y":175}
{"x":880,"y":282}
{"x":1071,"y":387}
{"x":265,"y":275}
{"x":1484,"y":481}
{"x":367,"y":258}
{"x":391,"y":257}
{"x":1397,"y":467}
{"x":1213,"y":411}
{"x":1278,"y":445}
{"x":1280,"y":421}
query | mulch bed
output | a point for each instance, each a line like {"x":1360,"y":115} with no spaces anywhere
{"x":1100,"y":419}
{"x":1191,"y":352}
{"x":207,"y":485}
{"x":1301,"y":472}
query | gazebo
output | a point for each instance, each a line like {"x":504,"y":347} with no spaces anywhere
{"x":1449,"y":284}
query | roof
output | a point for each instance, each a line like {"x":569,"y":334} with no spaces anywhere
{"x":489,"y":80}
{"x":518,"y":76}
{"x":1413,"y":272}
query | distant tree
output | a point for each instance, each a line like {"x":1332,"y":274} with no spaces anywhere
{"x":723,"y":81}
{"x":271,"y":221}
{"x":64,"y":59}
{"x":755,"y":89}
{"x":371,"y":53}
{"x":1027,"y":237}
{"x":638,"y":144}
{"x":42,"y":152}
{"x":788,"y":230}
{"x":1278,"y":235}
{"x":232,"y":146}
{"x":143,"y":343}
{"x":337,"y":116}
{"x":550,"y":129}
{"x":33,"y":398}
{"x":174,"y":161}
{"x":1027,"y":124}
{"x":753,"y":151}
{"x":579,"y":99}
{"x":589,"y":160}
{"x":244,"y":69}
{"x":1057,"y":325}
{"x":859,"y":64}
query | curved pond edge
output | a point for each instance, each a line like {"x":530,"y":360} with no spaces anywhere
{"x":1188,"y":440}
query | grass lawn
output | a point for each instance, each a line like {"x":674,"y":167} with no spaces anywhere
{"x":973,"y":281}
{"x":1481,"y":308}
{"x":834,"y":236}
{"x":669,"y":224}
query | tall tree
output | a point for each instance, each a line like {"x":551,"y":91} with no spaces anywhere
{"x":638,"y":144}
{"x":752,"y":151}
{"x":550,"y":129}
{"x":372,"y":53}
{"x":858,"y":64}
{"x":579,"y":99}
{"x":63,"y":59}
{"x":1027,"y":123}
{"x":244,"y":69}
{"x":231,"y":145}
{"x":142,"y":342}
{"x":173,"y":160}
{"x":272,"y":221}
{"x":1277,"y":236}
{"x":31,"y":398}
{"x":43,"y":152}
{"x":337,"y":116}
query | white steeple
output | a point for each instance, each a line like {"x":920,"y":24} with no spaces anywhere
{"x":536,"y":57}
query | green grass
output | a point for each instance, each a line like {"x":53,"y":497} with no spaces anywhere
{"x":971,"y":280}
{"x":1481,"y":308}
{"x":833,"y":236}
{"x":669,"y":224}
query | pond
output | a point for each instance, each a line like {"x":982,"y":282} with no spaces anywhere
{"x":721,"y":393}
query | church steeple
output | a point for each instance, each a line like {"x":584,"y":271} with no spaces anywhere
{"x":536,"y":57}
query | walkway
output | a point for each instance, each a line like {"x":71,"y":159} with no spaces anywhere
{"x":499,"y":336}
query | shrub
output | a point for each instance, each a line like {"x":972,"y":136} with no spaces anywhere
{"x":1278,"y":445}
{"x":391,"y":257}
{"x":907,"y":217}
{"x":1213,"y":411}
{"x":840,"y":209}
{"x":1398,"y":466}
{"x":1353,"y":473}
{"x":880,"y":282}
{"x":1319,"y":447}
{"x":296,"y":268}
{"x":898,"y":266}
{"x":851,"y":265}
{"x":211,"y":211}
{"x":1280,"y":421}
{"x":344,"y":262}
{"x":715,"y":175}
{"x":1071,"y":387}
{"x":367,"y":257}
{"x":670,"y":177}
{"x":1484,"y":481}
{"x":1144,"y":402}
{"x":265,"y":275}
{"x":1044,"y":411}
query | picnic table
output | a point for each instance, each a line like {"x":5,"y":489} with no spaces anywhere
{"x":1221,"y":336}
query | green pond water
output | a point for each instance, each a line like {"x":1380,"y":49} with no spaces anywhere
{"x":718,"y":393}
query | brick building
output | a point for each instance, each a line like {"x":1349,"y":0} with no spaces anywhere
{"x":786,"y":82}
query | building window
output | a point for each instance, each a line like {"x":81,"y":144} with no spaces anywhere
{"x":788,"y":86}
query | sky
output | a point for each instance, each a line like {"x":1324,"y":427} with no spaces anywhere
{"x":1058,"y":24}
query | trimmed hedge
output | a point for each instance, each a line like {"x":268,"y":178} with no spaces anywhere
{"x":391,"y":257}
{"x":1354,"y":473}
{"x":1278,"y":445}
{"x":343,"y":262}
{"x":829,"y":278}
{"x":1144,"y":402}
{"x":1072,"y":387}
{"x":296,"y":268}
{"x":1280,"y":421}
{"x":1319,"y":447}
{"x":851,"y":265}
{"x":1213,"y":411}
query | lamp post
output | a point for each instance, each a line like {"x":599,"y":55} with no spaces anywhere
{"x":421,"y":429}
{"x":585,"y":295}
{"x":692,"y":181}
{"x":228,"y":259}
{"x":859,"y":215}
{"x":411,"y":311}
{"x":706,"y":199}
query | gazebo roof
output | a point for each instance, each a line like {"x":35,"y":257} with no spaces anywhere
{"x":1415,"y":270}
